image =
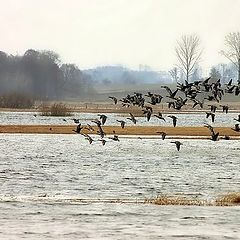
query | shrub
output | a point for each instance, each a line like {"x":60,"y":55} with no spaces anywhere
{"x":56,"y":109}
{"x":16,"y":100}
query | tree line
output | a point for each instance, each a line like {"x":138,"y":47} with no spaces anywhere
{"x":42,"y":76}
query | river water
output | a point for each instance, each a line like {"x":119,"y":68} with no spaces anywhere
{"x":44,"y":177}
{"x":184,"y":119}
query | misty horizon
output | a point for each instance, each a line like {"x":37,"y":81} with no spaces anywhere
{"x":123,"y":32}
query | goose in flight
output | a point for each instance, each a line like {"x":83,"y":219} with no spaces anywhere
{"x":115,"y":137}
{"x":89,"y":139}
{"x":159,"y":116}
{"x":100,"y":131}
{"x":178,"y":144}
{"x":236,"y":128}
{"x":78,"y":129}
{"x":237,"y":119}
{"x":122,"y":123}
{"x":97,"y":122}
{"x":213,"y":108}
{"x":133,"y":119}
{"x":103,"y":141}
{"x":225,"y":108}
{"x":174,"y":119}
{"x":76,"y":120}
{"x":214,"y":136}
{"x":210,"y":114}
{"x":197,"y":102}
{"x":114,"y":99}
{"x":163,"y":134}
{"x":103,"y":118}
{"x":89,"y":128}
{"x":148,"y":114}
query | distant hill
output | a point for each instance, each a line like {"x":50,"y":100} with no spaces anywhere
{"x":119,"y":74}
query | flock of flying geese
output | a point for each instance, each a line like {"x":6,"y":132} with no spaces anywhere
{"x":195,"y":92}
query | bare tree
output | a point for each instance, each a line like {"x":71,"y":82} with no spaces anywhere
{"x":232,"y":52}
{"x":174,"y":74}
{"x":188,"y":54}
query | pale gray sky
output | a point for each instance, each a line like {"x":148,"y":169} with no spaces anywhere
{"x":128,"y":32}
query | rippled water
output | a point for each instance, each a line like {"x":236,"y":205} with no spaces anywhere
{"x":43,"y":177}
{"x":184,"y":119}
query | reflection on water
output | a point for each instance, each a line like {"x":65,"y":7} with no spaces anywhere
{"x":184,"y":119}
{"x":41,"y":176}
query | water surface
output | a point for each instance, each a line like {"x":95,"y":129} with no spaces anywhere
{"x":42,"y":178}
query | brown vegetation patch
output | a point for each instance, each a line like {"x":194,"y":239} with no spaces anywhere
{"x":16,"y":100}
{"x":230,"y":199}
{"x":167,"y":200}
{"x":56,"y":110}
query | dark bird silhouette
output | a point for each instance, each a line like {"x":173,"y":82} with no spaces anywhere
{"x":237,"y":90}
{"x":103,"y":141}
{"x":229,"y":83}
{"x":122,"y":123}
{"x":237,"y":119}
{"x":97,"y":122}
{"x":210,"y":98}
{"x":87,"y":137}
{"x":214,"y":136}
{"x":89,"y":128}
{"x":197,"y":102}
{"x":78,"y":129}
{"x":213,"y":108}
{"x":103,"y":118}
{"x":115,"y":137}
{"x":64,"y":120}
{"x":76,"y":120}
{"x":170,"y":92}
{"x":236,"y":128}
{"x":178,"y":144}
{"x":35,"y":115}
{"x":209,"y":127}
{"x":225,"y":108}
{"x":159,"y":116}
{"x":171,"y":104}
{"x":114,"y":99}
{"x":148,"y":115}
{"x":210,"y":114}
{"x":163,"y":134}
{"x":100,"y":130}
{"x":226,"y":137}
{"x":133,"y":119}
{"x":174,"y":119}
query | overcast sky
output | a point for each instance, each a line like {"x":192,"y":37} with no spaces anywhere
{"x":128,"y":32}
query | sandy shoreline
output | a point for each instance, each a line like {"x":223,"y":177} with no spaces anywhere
{"x":129,"y":130}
